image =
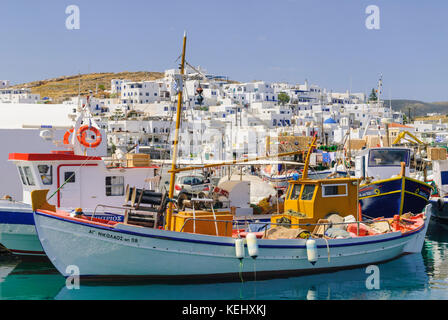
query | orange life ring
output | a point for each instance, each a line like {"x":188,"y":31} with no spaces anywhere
{"x":67,"y":135}
{"x":82,"y":133}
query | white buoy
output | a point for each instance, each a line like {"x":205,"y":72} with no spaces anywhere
{"x":311,"y":251}
{"x":239,"y":248}
{"x":252,"y":246}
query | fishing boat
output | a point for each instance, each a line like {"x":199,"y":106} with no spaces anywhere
{"x":74,"y":180}
{"x":440,"y":198}
{"x":202,"y":247}
{"x":199,"y":245}
{"x":389,"y":189}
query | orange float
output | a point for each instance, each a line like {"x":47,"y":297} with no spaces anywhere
{"x":82,"y":134}
{"x":67,"y":136}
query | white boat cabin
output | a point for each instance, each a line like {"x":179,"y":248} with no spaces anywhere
{"x":440,"y":176}
{"x":77,"y":180}
{"x":382,"y":162}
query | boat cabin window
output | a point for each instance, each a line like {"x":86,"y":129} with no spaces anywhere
{"x":388,"y":157}
{"x":334,"y":190}
{"x":295,"y":192}
{"x":288,"y":190}
{"x":28,"y":176}
{"x":115,"y":186}
{"x":69,"y":177}
{"x":308,"y":192}
{"x":22,"y":176}
{"x":46,"y":173}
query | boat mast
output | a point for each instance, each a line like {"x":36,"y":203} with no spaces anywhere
{"x":176,"y":135}
{"x":307,"y":160}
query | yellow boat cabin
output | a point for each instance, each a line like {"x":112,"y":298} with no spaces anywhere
{"x":307,"y":201}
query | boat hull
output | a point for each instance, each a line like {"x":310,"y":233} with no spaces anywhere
{"x":17,"y":230}
{"x":439,"y":208}
{"x":126,"y":251}
{"x":390,"y":197}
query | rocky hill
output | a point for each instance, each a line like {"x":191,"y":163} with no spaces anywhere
{"x":64,"y":87}
{"x":418,"y":108}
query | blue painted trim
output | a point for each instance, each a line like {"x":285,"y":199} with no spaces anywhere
{"x":220,"y":243}
{"x":26,"y":218}
{"x":17,"y":217}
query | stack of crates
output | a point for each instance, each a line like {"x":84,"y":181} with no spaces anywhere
{"x":437,"y":153}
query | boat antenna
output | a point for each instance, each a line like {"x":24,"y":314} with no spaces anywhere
{"x":176,"y":135}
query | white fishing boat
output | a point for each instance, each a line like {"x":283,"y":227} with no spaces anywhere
{"x":126,"y":251}
{"x":199,"y":245}
{"x":74,"y":180}
{"x":203,"y":247}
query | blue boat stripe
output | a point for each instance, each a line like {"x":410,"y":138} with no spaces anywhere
{"x":16,"y":217}
{"x":26,"y":218}
{"x":221,"y":243}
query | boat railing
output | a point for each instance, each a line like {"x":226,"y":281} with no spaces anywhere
{"x":107,"y":206}
{"x":127,"y":211}
{"x":209,"y":220}
{"x":322,"y":224}
{"x":265,"y":224}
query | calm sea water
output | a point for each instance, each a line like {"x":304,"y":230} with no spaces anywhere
{"x":416,"y":276}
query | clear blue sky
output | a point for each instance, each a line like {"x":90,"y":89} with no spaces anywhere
{"x":325,"y":42}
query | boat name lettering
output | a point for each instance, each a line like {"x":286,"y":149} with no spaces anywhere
{"x":115,"y":237}
{"x":366,"y":193}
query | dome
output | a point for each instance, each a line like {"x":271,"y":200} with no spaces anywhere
{"x":330,"y":121}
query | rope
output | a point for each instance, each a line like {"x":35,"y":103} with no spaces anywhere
{"x":328,"y":250}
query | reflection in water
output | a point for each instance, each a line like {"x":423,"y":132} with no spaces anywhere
{"x":415,"y":276}
{"x":29,"y":279}
{"x":402,"y":278}
{"x":435,"y":253}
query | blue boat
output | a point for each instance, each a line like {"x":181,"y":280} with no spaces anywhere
{"x":391,"y":191}
{"x":398,"y":195}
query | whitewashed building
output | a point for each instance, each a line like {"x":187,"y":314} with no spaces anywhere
{"x":4,"y":84}
{"x":24,"y":95}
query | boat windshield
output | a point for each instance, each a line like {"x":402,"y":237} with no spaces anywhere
{"x":388,"y":157}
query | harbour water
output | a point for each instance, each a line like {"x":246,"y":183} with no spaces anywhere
{"x":417,"y":276}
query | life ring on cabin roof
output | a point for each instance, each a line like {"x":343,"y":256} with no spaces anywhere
{"x":67,"y":136}
{"x":82,"y":134}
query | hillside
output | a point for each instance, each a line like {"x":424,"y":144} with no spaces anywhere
{"x":64,"y":87}
{"x":61,"y":88}
{"x":418,"y":108}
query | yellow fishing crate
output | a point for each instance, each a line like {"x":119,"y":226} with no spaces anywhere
{"x":184,"y":221}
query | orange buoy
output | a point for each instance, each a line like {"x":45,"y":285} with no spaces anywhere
{"x":82,"y":133}
{"x":67,"y":136}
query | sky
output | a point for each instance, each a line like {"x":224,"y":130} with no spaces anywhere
{"x":324,"y":41}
